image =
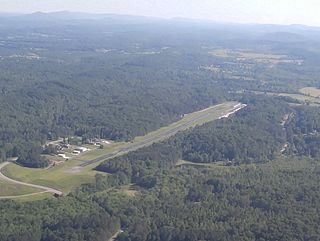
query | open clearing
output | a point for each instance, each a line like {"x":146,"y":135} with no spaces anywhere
{"x":305,"y":99}
{"x":196,"y":164}
{"x":311,"y":91}
{"x":54,"y":177}
{"x":309,"y":95}
{"x":244,"y":55}
{"x":75,"y":172}
{"x":12,"y":189}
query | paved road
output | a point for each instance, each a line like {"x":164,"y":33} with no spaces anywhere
{"x":5,"y":178}
{"x":162,"y":135}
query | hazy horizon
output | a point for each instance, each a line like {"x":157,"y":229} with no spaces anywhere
{"x":281,"y":12}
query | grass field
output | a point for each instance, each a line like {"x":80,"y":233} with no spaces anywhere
{"x":55,"y":177}
{"x":243,"y":55}
{"x":60,"y":178}
{"x":303,"y":98}
{"x":219,"y":110}
{"x":11,"y":189}
{"x":33,"y":198}
{"x":311,"y":91}
{"x":309,"y":95}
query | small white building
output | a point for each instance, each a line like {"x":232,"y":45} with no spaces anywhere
{"x":80,"y":149}
{"x":63,"y":156}
{"x":76,"y":152}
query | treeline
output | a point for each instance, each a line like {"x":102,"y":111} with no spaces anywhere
{"x":33,"y":158}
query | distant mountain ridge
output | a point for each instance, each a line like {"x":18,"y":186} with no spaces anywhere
{"x":267,"y":32}
{"x":70,"y":15}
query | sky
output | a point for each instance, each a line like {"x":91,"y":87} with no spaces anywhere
{"x":239,"y":11}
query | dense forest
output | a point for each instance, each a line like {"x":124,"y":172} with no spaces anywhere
{"x":252,"y":176}
{"x":201,"y":202}
{"x":246,"y":203}
{"x":69,"y":218}
{"x":254,"y":135}
{"x":303,"y":130}
{"x":195,"y":202}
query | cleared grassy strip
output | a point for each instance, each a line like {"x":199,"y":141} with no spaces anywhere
{"x":286,"y":163}
{"x":59,"y":178}
{"x":208,"y":165}
{"x":218,"y":111}
{"x":12,"y":189}
{"x":36,"y":197}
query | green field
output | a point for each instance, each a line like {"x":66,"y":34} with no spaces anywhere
{"x":12,"y":189}
{"x":60,"y":177}
{"x":308,"y":95}
{"x":35,"y":197}
{"x":311,"y":91}
{"x":305,"y":99}
{"x":55,"y":177}
{"x":243,"y":55}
